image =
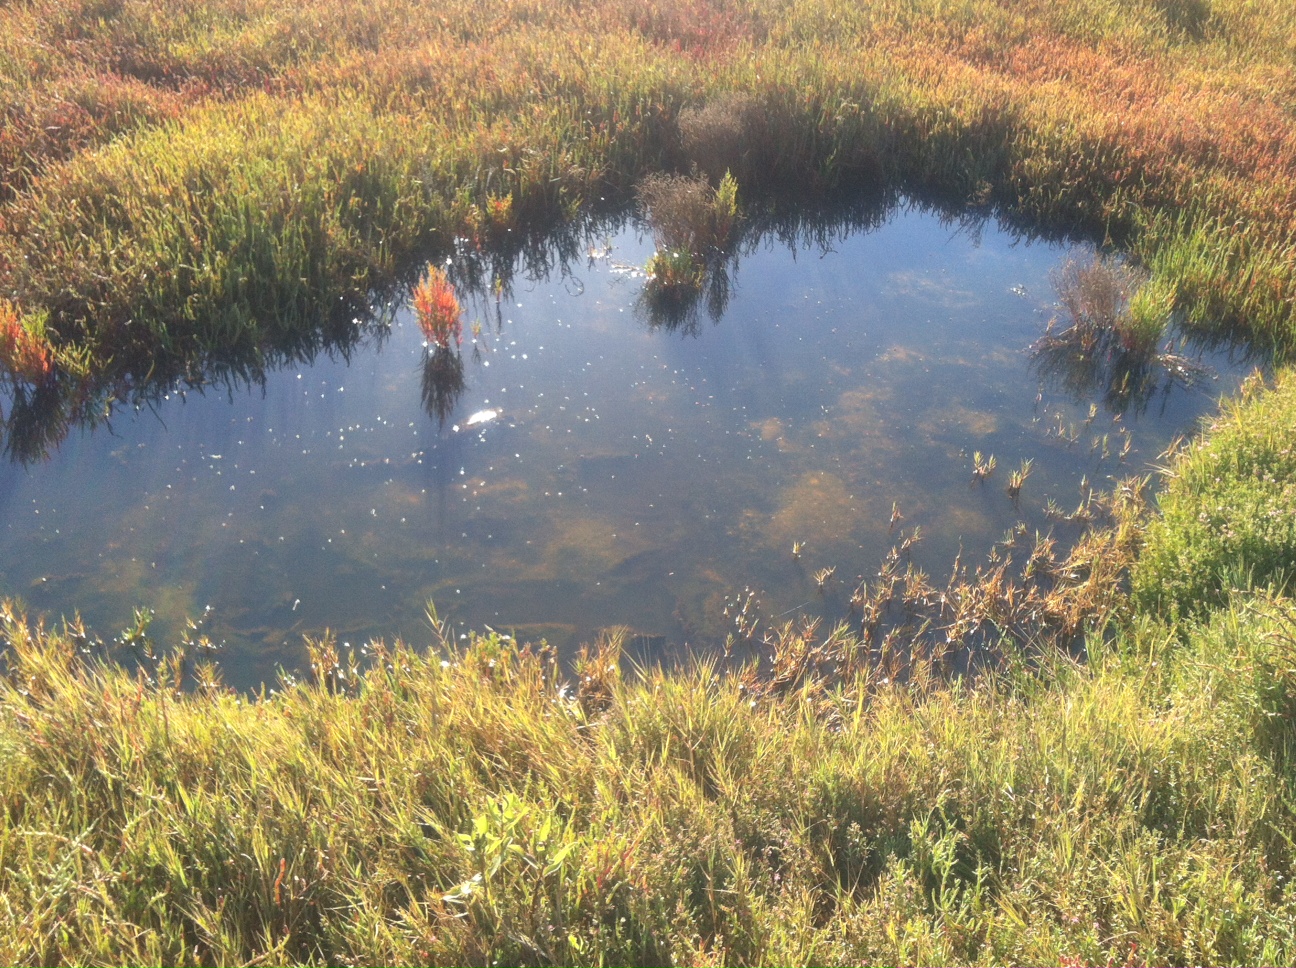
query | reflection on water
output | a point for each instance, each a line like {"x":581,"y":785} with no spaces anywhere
{"x":1123,"y":381}
{"x":641,"y":465}
{"x":443,"y":382}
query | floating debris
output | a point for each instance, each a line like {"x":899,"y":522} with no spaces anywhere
{"x":478,"y":419}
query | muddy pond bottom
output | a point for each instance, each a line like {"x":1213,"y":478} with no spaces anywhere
{"x":596,"y":468}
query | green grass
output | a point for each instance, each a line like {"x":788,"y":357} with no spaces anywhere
{"x":1228,"y":510}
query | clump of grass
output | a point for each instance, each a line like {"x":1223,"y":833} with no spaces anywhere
{"x":437,"y":309}
{"x":694,"y":228}
{"x":687,"y":215}
{"x":718,"y":136}
{"x":1115,"y":320}
{"x":1018,"y":478}
{"x":1143,"y":326}
{"x":490,"y":223}
{"x":1096,"y":298}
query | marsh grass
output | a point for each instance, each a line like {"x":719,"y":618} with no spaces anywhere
{"x":25,"y":353}
{"x":1098,"y":299}
{"x":695,"y":229}
{"x":239,"y":169}
{"x":688,"y":216}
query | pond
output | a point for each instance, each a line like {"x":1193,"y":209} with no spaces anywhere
{"x":597,"y":468}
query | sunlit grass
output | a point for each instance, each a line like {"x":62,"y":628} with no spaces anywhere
{"x":1228,"y":510}
{"x":465,"y":804}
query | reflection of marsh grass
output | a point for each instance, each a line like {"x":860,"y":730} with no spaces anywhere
{"x":41,"y":416}
{"x":691,"y":281}
{"x":674,"y":305}
{"x":443,"y":382}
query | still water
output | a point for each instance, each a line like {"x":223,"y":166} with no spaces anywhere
{"x":617,"y":473}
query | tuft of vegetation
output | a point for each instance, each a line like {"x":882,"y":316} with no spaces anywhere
{"x":694,"y":227}
{"x":687,"y":216}
{"x":1116,"y":322}
{"x":437,"y":309}
{"x":25,"y":353}
{"x":1097,"y":298}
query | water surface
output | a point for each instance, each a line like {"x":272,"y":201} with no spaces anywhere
{"x":631,"y":474}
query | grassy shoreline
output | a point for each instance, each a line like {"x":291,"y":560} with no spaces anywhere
{"x":477,"y":803}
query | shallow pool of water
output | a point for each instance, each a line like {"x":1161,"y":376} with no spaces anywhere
{"x":619,"y":472}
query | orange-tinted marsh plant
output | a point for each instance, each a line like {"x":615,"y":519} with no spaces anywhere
{"x":25,"y":354}
{"x":438,"y":309}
